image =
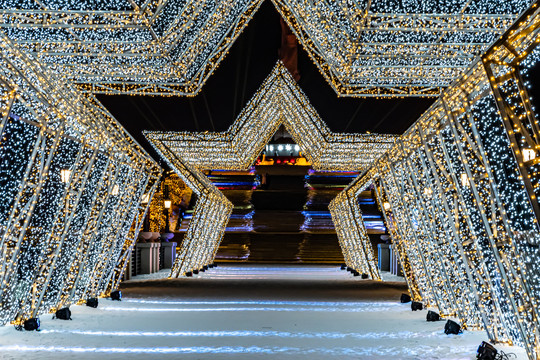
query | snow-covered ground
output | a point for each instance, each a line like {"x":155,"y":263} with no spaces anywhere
{"x":164,"y":327}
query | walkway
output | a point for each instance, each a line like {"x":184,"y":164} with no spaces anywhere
{"x":246,"y":312}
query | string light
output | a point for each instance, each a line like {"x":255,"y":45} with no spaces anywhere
{"x":458,"y":190}
{"x":388,"y":48}
{"x":129,"y":47}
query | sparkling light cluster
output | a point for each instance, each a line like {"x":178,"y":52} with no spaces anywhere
{"x":71,"y":181}
{"x":171,"y":188}
{"x":363,"y":48}
{"x":278,"y":101}
{"x":454,"y":190}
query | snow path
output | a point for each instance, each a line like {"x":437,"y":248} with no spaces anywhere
{"x":154,"y":323}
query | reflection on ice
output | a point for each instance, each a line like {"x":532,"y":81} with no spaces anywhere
{"x":221,"y":309}
{"x":421,"y":352}
{"x":247,"y":333}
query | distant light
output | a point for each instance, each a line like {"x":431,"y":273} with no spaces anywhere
{"x":288,"y":147}
{"x":386,"y":206}
{"x":464,"y":180}
{"x":65,"y":175}
{"x":271,"y":147}
{"x":115,"y":190}
{"x":528,"y":154}
{"x":167,"y":204}
{"x":280,"y":147}
{"x":145,"y":199}
{"x":296,"y":148}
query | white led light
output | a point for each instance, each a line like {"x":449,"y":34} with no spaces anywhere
{"x":464,"y":180}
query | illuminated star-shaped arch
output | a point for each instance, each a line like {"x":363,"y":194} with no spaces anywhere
{"x":279,"y":101}
{"x":167,"y":47}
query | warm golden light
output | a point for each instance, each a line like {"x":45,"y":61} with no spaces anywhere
{"x":65,"y":175}
{"x":464,"y":180}
{"x":529,"y":154}
{"x":145,"y":198}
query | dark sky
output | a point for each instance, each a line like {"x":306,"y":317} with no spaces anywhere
{"x":227,"y":91}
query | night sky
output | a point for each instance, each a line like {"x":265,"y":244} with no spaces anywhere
{"x":237,"y":78}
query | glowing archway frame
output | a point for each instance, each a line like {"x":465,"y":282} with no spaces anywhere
{"x":278,"y":101}
{"x":461,"y":198}
{"x":170,"y":47}
{"x":63,"y":239}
